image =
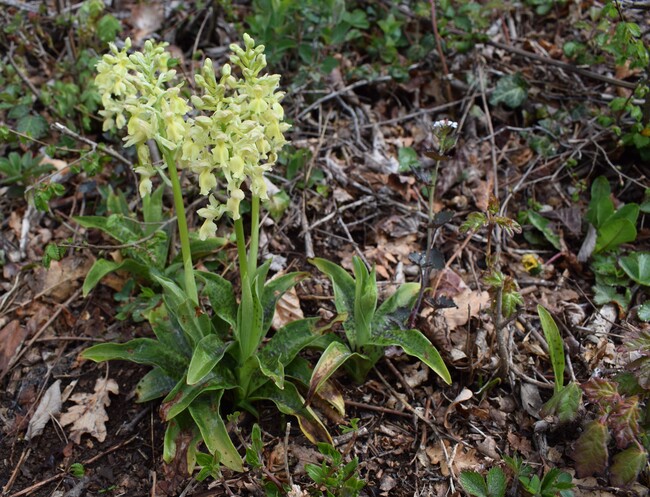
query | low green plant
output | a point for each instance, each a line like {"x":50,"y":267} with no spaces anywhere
{"x":205,"y":358}
{"x":368,"y":328}
{"x":553,"y":483}
{"x":334,"y":477}
{"x":619,"y":416}
{"x":613,"y":227}
{"x":566,"y":399}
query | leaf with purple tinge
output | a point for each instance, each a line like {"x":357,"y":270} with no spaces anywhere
{"x":590,"y":453}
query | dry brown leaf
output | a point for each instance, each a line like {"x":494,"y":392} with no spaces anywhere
{"x":62,"y":278}
{"x":463,"y":396}
{"x":49,"y":406}
{"x":287,"y":309}
{"x":461,"y":458}
{"x":469,"y":303}
{"x":146,"y":19}
{"x":89,"y":415}
{"x":11,"y":337}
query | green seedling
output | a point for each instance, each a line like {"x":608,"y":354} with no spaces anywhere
{"x":368,"y":328}
{"x":334,"y":477}
{"x":566,"y":399}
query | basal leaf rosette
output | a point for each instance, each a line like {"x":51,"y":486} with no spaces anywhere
{"x":239,"y":133}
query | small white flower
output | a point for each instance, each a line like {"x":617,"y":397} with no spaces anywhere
{"x":445,"y":123}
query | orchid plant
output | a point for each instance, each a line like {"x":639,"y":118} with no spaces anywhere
{"x":231,"y":132}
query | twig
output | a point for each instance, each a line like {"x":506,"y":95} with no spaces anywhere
{"x":337,"y":93}
{"x":14,"y":473}
{"x":96,"y":146}
{"x":36,"y":486}
{"x":56,"y":313}
{"x":286,"y":452}
{"x":25,"y":79}
{"x":441,"y":53}
{"x":560,"y":64}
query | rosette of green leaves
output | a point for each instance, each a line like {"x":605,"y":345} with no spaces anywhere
{"x":199,"y":362}
{"x":369,"y":329}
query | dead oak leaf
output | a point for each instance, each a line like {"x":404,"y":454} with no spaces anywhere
{"x":89,"y":415}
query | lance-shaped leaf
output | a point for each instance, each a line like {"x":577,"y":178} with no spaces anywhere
{"x":300,"y":371}
{"x":344,"y":292}
{"x":590,"y":453}
{"x":153,"y":385}
{"x":564,"y":403}
{"x":330,"y":361}
{"x":274,"y":290}
{"x":250,"y":321}
{"x":184,"y":310}
{"x":205,"y":412}
{"x":403,"y":298}
{"x":168,"y":332}
{"x":555,"y":345}
{"x":289,"y":401}
{"x":365,"y":300}
{"x":283,"y":347}
{"x":416,"y":344}
{"x":221,"y":295}
{"x":614,"y":233}
{"x":627,"y":466}
{"x":183,"y":394}
{"x":207,"y":354}
{"x":117,"y":226}
{"x":140,"y":350}
{"x":102,"y":267}
{"x":601,"y":206}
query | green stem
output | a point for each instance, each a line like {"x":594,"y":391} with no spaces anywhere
{"x":241,"y":250}
{"x":255,"y":236}
{"x":432,"y":197}
{"x":183,"y":233}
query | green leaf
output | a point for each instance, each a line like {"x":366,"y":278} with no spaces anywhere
{"x":107,"y":28}
{"x":102,"y":267}
{"x":627,"y":466}
{"x":637,"y":266}
{"x":153,"y":385}
{"x":474,"y":222}
{"x":329,"y":362}
{"x":542,"y":224}
{"x":207,"y":354}
{"x":274,"y":290}
{"x":250,"y":321}
{"x":590,"y":453}
{"x":511,"y":90}
{"x":365,"y":300}
{"x":414,"y":343}
{"x":643,"y":313}
{"x":34,"y":126}
{"x":182,"y":395}
{"x":205,"y":412}
{"x":614,"y":233}
{"x":601,"y":206}
{"x":141,"y":351}
{"x":283,"y":347}
{"x":496,"y":482}
{"x":289,"y":401}
{"x":564,"y":403}
{"x":408,"y":159}
{"x":403,"y":298}
{"x":221,"y":295}
{"x":555,"y":345}
{"x":343,"y":283}
{"x":300,"y":371}
{"x":474,"y":484}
